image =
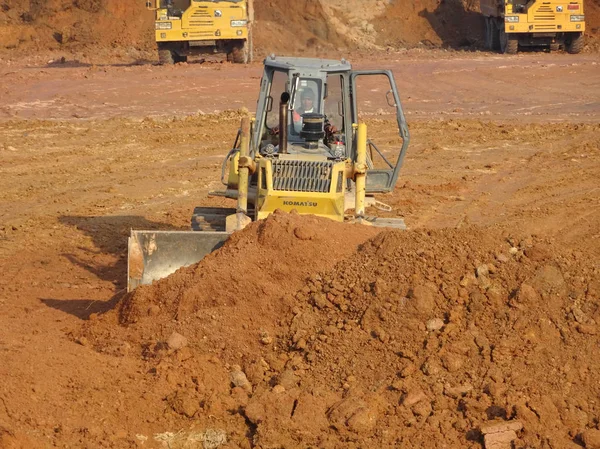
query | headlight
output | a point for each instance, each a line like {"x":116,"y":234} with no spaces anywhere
{"x":163,"y":25}
{"x":577,"y":18}
{"x":512,"y":19}
{"x":218,"y":13}
{"x":239,"y":23}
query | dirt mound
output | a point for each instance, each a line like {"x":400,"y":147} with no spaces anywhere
{"x":454,"y":330}
{"x":297,"y":335}
{"x":243,"y":283}
{"x":80,"y":24}
{"x":453,"y":23}
{"x":296,"y":27}
{"x":592,"y":24}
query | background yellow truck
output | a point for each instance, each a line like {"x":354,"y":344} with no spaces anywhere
{"x":510,"y":24}
{"x":193,"y":27}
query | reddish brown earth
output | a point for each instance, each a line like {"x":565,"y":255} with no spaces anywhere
{"x":301,"y":332}
{"x":95,"y":31}
{"x":327,"y":321}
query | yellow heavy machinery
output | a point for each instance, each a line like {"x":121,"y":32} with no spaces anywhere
{"x":194,"y":27}
{"x":306,"y":150}
{"x":510,"y":24}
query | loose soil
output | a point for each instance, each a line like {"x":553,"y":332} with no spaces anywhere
{"x":301,"y":332}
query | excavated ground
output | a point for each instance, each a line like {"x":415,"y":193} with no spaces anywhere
{"x":301,"y":332}
{"x":113,"y":31}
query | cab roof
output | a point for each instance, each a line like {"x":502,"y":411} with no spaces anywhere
{"x":323,"y":65}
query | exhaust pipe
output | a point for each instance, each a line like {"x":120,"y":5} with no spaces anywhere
{"x":283,"y":122}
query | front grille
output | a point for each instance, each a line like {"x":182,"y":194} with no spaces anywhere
{"x":199,"y":35}
{"x":201,"y":13}
{"x":544,"y":13}
{"x":201,"y":18}
{"x":201,"y":23}
{"x":302,"y":176}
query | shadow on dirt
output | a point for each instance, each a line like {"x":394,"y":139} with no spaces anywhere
{"x":83,"y":308}
{"x":64,"y":63}
{"x":457,"y":23}
{"x":108,"y":261}
{"x":109,"y":236}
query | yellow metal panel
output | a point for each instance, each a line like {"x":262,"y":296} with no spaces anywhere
{"x":320,"y":204}
{"x":203,"y":18}
{"x":200,"y":23}
{"x":360,"y":169}
{"x":195,"y":35}
{"x":233,"y":178}
{"x":324,"y":204}
{"x":547,"y":17}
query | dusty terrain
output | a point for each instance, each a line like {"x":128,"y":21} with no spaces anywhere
{"x":94,"y":31}
{"x":300,"y":332}
{"x":479,"y":323}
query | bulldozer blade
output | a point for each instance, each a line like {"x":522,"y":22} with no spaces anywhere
{"x":396,"y":223}
{"x":154,"y":255}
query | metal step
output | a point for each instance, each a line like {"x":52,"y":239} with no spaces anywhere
{"x":383,"y":222}
{"x":212,"y":218}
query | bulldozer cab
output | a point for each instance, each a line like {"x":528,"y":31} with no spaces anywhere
{"x":332,"y":89}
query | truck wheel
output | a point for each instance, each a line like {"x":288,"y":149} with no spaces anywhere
{"x":487,"y":44}
{"x":178,"y":58}
{"x":165,"y":57}
{"x":494,"y":35}
{"x":508,"y":44}
{"x":239,"y":54}
{"x":575,"y":44}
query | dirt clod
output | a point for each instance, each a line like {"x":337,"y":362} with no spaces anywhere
{"x":239,"y":379}
{"x":435,"y":324}
{"x":176,"y":341}
{"x":591,"y":438}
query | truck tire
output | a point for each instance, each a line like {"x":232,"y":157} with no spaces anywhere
{"x":494,"y":35}
{"x":178,"y":58}
{"x":487,"y":43}
{"x":508,"y":44}
{"x":239,"y":54}
{"x":165,"y":57}
{"x":575,"y":44}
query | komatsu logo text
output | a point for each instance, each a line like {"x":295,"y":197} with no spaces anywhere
{"x":300,"y":203}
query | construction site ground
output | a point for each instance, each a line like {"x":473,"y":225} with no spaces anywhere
{"x":302,"y":332}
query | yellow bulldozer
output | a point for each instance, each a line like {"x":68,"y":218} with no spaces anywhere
{"x":307,"y":149}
